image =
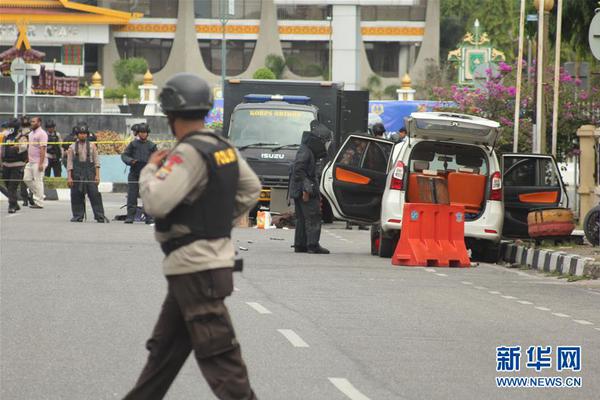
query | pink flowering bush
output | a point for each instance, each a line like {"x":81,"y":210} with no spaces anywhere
{"x":496,"y":101}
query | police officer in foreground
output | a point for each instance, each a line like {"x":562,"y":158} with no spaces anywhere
{"x":195,"y":192}
{"x":83,"y":176}
{"x":136,"y":155}
{"x":304,"y":189}
{"x":54,"y":151}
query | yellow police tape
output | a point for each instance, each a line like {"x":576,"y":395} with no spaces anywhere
{"x":97,"y":142}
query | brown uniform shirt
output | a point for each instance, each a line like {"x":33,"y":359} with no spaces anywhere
{"x":82,"y":154}
{"x":183,"y":178}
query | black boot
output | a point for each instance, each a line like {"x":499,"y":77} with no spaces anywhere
{"x":300,"y":249}
{"x":317,"y":250}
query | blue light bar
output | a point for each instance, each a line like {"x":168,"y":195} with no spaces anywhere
{"x":262,"y":98}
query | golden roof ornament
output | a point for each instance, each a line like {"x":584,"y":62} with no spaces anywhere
{"x":406,"y":82}
{"x":148,"y":78}
{"x":96,"y":79}
{"x":548,"y":5}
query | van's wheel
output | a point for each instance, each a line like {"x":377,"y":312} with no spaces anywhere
{"x":387,"y":245}
{"x":591,"y":226}
{"x":326,"y":212}
{"x":375,"y":239}
{"x":487,"y":252}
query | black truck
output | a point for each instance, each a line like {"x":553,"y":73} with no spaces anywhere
{"x":265,"y":120}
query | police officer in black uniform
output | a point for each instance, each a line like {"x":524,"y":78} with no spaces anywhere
{"x":304,"y":189}
{"x":136,"y":155}
{"x":14,"y":158}
{"x":54,"y":151}
{"x":194,"y":192}
{"x":83,"y":177}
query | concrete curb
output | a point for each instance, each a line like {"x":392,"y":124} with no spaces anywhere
{"x":549,"y":261}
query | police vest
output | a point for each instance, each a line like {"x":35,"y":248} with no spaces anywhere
{"x":53,"y":149}
{"x":10,"y":152}
{"x":84,"y":171}
{"x":211,"y":215}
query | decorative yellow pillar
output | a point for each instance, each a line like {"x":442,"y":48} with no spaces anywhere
{"x":148,"y":94}
{"x":588,"y":191}
{"x":96,"y":88}
{"x":406,"y":93}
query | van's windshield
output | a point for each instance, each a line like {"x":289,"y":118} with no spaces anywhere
{"x":277,"y":127}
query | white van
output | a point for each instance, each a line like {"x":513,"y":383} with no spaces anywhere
{"x":370,"y":180}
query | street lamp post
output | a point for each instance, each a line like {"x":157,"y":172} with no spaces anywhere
{"x":224,"y":19}
{"x":330,"y":66}
{"x":544,"y":7}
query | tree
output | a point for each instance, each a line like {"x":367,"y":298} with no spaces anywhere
{"x":263,"y":73}
{"x":126,"y":69}
{"x":374,"y":86}
{"x":276,"y":64}
{"x":577,"y":17}
{"x":496,"y":101}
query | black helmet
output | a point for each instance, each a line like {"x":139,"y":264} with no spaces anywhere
{"x":378,"y":129}
{"x":185,"y":92}
{"x":50,"y":124}
{"x":13,"y":123}
{"x":25,"y":121}
{"x":143,"y":127}
{"x":81,"y":129}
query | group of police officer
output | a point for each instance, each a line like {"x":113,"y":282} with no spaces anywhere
{"x":194,"y":192}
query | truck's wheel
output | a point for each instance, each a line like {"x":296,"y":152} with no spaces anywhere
{"x":387,"y":245}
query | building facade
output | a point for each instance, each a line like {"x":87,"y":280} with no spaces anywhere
{"x":345,"y":40}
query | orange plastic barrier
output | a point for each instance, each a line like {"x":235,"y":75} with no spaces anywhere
{"x":433,"y":235}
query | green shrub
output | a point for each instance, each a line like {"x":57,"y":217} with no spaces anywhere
{"x":276,"y":64}
{"x":126,"y":69}
{"x":131,"y":91}
{"x":55,"y":183}
{"x":263,"y":73}
{"x":390,"y":91}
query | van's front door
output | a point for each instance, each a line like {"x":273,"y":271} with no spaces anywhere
{"x":531,"y":181}
{"x":354,"y":182}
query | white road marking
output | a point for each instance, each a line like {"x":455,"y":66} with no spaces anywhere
{"x":258,"y":307}
{"x":429,"y":269}
{"x":561,"y":315}
{"x":344,"y":386}
{"x":481,"y":287}
{"x":466,"y":283}
{"x":524,"y":302}
{"x":494,"y":292}
{"x":510,"y":297}
{"x":441,"y":275}
{"x":293,"y":337}
{"x":236,"y":289}
{"x":598,"y":329}
{"x":543,"y":308}
{"x":583,"y":322}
